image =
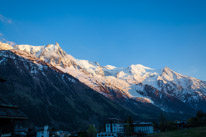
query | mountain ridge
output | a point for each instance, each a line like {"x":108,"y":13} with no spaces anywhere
{"x":130,"y":82}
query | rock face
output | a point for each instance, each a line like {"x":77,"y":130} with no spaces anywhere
{"x":141,"y":90}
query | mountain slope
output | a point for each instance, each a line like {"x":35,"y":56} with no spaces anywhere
{"x":49,"y":96}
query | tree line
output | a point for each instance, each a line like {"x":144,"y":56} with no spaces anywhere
{"x":165,"y":125}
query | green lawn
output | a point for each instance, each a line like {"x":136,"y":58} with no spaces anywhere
{"x":193,"y":132}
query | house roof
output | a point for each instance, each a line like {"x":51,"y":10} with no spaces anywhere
{"x":4,"y":103}
{"x":143,"y":124}
{"x":42,"y":129}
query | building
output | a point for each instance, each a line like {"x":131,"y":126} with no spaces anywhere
{"x":44,"y":132}
{"x":116,"y":128}
{"x":9,"y":115}
{"x":180,"y":124}
{"x":21,"y":132}
{"x":113,"y":128}
{"x":143,"y":127}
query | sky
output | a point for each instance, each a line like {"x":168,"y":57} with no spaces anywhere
{"x":154,"y":33}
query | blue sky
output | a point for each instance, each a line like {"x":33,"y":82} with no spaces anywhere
{"x":154,"y":33}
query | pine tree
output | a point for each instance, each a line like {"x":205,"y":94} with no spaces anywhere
{"x":129,"y":129}
{"x":91,"y":132}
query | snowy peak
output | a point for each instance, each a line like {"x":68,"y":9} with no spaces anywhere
{"x":167,"y":69}
{"x":92,"y":68}
{"x":168,"y":74}
{"x":5,"y":46}
{"x":34,"y":50}
{"x":110,"y":67}
{"x":51,"y":53}
{"x":139,"y":69}
{"x":57,"y":44}
{"x":54,"y":50}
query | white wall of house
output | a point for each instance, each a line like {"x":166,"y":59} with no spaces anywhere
{"x":108,"y":128}
{"x":44,"y":133}
{"x":6,"y":135}
{"x":114,"y":128}
{"x":143,"y":128}
{"x":117,"y":128}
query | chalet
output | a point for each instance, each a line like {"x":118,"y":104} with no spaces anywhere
{"x":9,"y":115}
{"x":143,"y":127}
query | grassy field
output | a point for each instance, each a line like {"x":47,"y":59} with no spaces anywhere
{"x":193,"y":132}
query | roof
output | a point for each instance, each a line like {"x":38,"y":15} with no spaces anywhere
{"x":143,"y":124}
{"x":4,"y":103}
{"x":42,"y":128}
{"x":21,"y":129}
{"x":7,"y":110}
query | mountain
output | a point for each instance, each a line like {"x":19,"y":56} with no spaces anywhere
{"x":164,"y":88}
{"x":137,"y":89}
{"x":49,"y":96}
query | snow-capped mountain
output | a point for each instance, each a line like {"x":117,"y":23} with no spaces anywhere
{"x":50,"y":97}
{"x":163,"y":88}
